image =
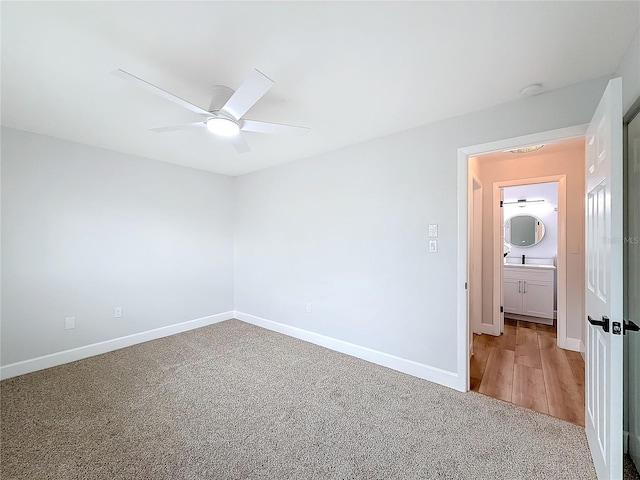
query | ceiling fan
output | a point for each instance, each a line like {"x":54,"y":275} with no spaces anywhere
{"x":225,"y":115}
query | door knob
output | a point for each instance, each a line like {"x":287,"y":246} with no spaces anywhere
{"x":604,"y":323}
{"x":630,"y":326}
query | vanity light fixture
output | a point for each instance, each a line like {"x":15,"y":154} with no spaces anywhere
{"x":529,"y":149}
{"x":522,"y":202}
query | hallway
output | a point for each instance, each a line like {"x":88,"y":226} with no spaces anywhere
{"x":525,"y":366}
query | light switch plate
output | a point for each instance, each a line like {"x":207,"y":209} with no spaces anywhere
{"x":69,"y":323}
{"x":433,"y":230}
{"x":433,"y":246}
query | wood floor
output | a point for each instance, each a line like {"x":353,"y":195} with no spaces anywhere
{"x":525,"y":366}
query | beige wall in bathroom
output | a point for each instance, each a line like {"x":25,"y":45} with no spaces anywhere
{"x":567,"y":159}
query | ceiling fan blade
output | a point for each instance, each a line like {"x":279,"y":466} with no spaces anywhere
{"x":160,"y":92}
{"x":246,"y":96}
{"x":268,"y":127}
{"x":239,"y":143}
{"x":179,"y":127}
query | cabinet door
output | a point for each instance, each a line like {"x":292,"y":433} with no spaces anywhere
{"x":512,"y":291}
{"x":537,"y":298}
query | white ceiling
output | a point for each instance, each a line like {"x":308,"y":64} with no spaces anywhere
{"x":351,"y":71}
{"x":562,"y":146}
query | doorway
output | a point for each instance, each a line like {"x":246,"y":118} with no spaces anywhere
{"x":530,"y":252}
{"x":523,"y":359}
{"x":604,"y":271}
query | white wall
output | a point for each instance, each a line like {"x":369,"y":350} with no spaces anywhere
{"x":347,"y":231}
{"x":629,"y":70}
{"x":547,"y":248}
{"x":85,"y":230}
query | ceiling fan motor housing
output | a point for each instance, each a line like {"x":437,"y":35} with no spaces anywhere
{"x":219,"y":96}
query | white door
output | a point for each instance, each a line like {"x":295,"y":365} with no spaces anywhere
{"x":604,"y":284}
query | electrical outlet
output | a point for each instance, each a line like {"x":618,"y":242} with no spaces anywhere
{"x":69,"y":323}
{"x":309,"y":307}
{"x":117,"y":312}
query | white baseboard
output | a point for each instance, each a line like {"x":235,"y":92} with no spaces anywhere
{"x":426,"y":372}
{"x":527,"y":318}
{"x":487,"y":329}
{"x":66,"y":356}
{"x":574,"y":344}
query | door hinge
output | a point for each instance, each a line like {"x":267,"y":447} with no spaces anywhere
{"x":501,"y":309}
{"x":466,"y":286}
{"x":501,"y":203}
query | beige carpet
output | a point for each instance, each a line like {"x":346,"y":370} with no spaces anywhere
{"x":236,"y":401}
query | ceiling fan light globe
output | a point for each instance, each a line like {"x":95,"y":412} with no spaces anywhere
{"x":223,"y":127}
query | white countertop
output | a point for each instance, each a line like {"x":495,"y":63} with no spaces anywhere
{"x":530,"y":265}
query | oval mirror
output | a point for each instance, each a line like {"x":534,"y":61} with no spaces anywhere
{"x":523,"y":230}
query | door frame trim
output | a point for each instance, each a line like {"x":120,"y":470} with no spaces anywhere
{"x":561,"y":266}
{"x":628,"y":117}
{"x":463,"y":221}
{"x":476,"y":326}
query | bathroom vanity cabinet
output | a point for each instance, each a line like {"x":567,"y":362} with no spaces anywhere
{"x":529,"y":290}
